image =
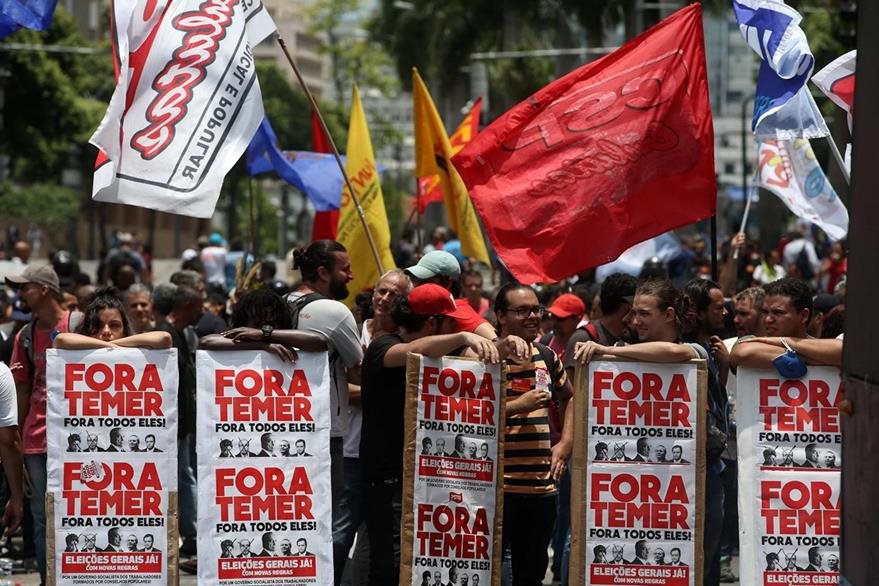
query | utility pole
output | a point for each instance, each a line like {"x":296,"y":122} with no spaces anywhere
{"x":860,"y":409}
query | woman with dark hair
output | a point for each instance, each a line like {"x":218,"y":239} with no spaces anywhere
{"x":106,"y":325}
{"x":261,"y":321}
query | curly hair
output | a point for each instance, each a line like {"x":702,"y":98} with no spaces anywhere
{"x":261,"y":307}
{"x":104,"y":298}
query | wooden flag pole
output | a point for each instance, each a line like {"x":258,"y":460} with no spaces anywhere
{"x":326,"y":131}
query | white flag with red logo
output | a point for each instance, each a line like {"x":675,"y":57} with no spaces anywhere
{"x":186,"y":104}
{"x":837,"y":81}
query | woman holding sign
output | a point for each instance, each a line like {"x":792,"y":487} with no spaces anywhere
{"x":106,"y":325}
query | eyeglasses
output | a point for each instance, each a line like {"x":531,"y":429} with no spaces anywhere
{"x":524,"y":312}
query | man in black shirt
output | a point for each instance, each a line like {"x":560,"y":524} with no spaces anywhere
{"x":425,"y":328}
{"x":186,"y":309}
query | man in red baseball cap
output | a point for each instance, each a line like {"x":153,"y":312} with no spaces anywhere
{"x":566,"y":312}
{"x":426,"y":326}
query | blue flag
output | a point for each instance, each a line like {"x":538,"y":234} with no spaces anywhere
{"x":32,"y":14}
{"x":317,"y":175}
{"x":783,"y":106}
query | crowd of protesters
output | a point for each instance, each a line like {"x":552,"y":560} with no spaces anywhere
{"x":437,"y":304}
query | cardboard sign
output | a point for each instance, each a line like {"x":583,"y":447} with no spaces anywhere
{"x":790,"y":449}
{"x":111,"y":422}
{"x":638,"y":473}
{"x":452,"y":472}
{"x":263,"y":445}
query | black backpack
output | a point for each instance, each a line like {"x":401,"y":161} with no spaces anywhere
{"x":296,"y":306}
{"x":27,"y":334}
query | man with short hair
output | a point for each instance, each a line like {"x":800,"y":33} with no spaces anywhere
{"x":660,"y":454}
{"x":148,"y":543}
{"x":40,"y":291}
{"x":185,"y":309}
{"x":284,"y":448}
{"x":830,"y":460}
{"x":300,"y":448}
{"x":643,"y":448}
{"x":245,"y":549}
{"x":675,"y":554}
{"x":133,"y":443}
{"x":114,"y":540}
{"x":642,"y":553}
{"x":427,"y":329}
{"x":440,"y":447}
{"x":267,"y":442}
{"x":286,"y":548}
{"x":131,"y":543}
{"x":150,"y":443}
{"x":659,"y":557}
{"x":116,"y":440}
{"x":302,"y":547}
{"x":532,"y":467}
{"x":471,"y":284}
{"x":676,"y":455}
{"x":268,"y":545}
{"x":811,"y":460}
{"x":92,"y":443}
{"x":90,"y":539}
{"x":814,"y":561}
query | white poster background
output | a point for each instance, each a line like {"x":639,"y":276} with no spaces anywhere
{"x":780,"y":420}
{"x":270,"y":500}
{"x":456,"y":479}
{"x":635,"y":491}
{"x":109,"y":494}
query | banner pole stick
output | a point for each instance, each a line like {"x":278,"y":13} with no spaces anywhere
{"x":252,"y":220}
{"x":839,"y":160}
{"x":326,"y":131}
{"x":748,"y":197}
{"x":713,"y":225}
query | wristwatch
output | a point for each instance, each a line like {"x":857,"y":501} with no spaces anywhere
{"x":267,"y":333}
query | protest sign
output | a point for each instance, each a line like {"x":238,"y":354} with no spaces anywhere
{"x":790,"y":443}
{"x":263,"y":446}
{"x":637,"y":480}
{"x":111,"y":423}
{"x":452,"y":475}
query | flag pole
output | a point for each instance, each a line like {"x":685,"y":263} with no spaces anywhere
{"x":326,"y":131}
{"x":252,"y":221}
{"x":748,"y":197}
{"x":839,"y":160}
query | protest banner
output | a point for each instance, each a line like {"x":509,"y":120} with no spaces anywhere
{"x":111,"y":426}
{"x":637,"y":481}
{"x":790,"y":444}
{"x":452,"y":472}
{"x":263,"y":447}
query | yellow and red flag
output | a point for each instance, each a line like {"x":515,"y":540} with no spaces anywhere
{"x":433,"y":156}
{"x":429,"y":188}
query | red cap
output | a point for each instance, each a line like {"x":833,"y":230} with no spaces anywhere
{"x":431,"y":299}
{"x":566,"y":305}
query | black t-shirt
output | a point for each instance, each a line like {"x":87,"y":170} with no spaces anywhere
{"x":210,"y":323}
{"x":186,"y":385}
{"x":383,"y":394}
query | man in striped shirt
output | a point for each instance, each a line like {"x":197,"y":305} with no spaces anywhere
{"x":532,"y":467}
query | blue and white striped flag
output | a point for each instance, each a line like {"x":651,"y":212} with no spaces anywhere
{"x":783,"y":106}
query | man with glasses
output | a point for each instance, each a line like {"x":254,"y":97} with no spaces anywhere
{"x":532,"y":467}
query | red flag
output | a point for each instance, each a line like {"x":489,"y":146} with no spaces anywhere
{"x":616,"y":152}
{"x":429,"y":188}
{"x":326,"y":224}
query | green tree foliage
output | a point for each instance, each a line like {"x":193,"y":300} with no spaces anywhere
{"x":47,"y":205}
{"x":52,"y":100}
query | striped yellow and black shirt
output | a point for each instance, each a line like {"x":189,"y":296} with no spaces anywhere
{"x":527,"y":442}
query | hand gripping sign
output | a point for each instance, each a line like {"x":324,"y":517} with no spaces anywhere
{"x":111,"y":426}
{"x":790,"y":449}
{"x":452,"y":471}
{"x":263,"y":445}
{"x":637,"y":484}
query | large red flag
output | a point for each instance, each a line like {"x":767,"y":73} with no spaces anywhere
{"x":616,"y":152}
{"x":326,"y":224}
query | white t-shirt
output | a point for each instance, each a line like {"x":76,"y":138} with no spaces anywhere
{"x":351,"y":446}
{"x":8,"y":398}
{"x":214,"y":260}
{"x":336,"y":323}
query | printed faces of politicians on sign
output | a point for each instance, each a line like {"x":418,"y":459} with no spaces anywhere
{"x":270,"y":445}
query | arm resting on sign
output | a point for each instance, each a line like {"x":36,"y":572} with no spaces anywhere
{"x":70,"y":341}
{"x":486,"y":330}
{"x":301,"y":339}
{"x":759,"y":352}
{"x":222,"y":343}
{"x":154,"y":340}
{"x":439,"y":346}
{"x":10,"y":454}
{"x":645,"y":351}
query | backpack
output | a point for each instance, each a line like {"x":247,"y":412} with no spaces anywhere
{"x":804,"y":264}
{"x":297,"y":304}
{"x":74,"y":319}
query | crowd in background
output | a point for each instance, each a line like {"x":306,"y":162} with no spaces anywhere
{"x":221,"y":297}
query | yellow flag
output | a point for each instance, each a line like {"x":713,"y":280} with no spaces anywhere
{"x":433,"y":154}
{"x":360,"y":166}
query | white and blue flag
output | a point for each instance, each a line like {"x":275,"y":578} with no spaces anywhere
{"x":783,"y":107}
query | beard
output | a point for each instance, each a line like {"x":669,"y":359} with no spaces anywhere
{"x":338,"y":290}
